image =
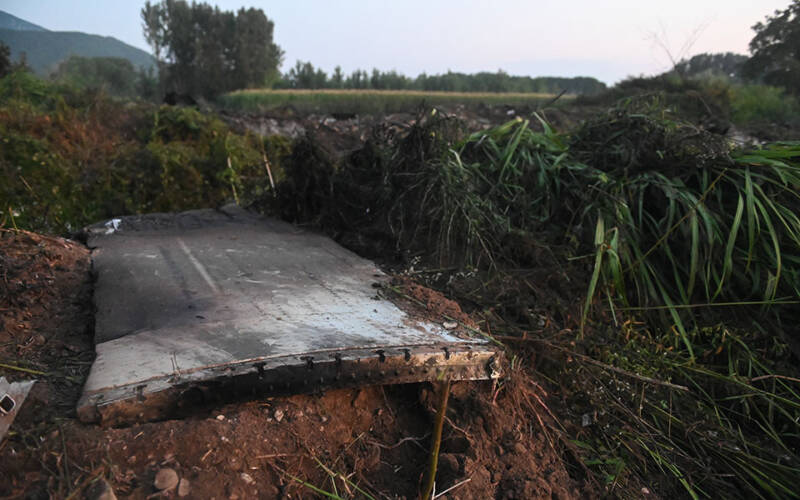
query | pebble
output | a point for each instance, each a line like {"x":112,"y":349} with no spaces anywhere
{"x":166,"y":479}
{"x":278,"y":414}
{"x":450,"y":325}
{"x":184,"y":488}
{"x":220,"y":417}
{"x":247,"y":478}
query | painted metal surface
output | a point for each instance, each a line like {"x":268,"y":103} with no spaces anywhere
{"x":12,"y":395}
{"x":207,"y":306}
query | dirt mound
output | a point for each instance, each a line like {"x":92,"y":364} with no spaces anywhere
{"x":347,"y":442}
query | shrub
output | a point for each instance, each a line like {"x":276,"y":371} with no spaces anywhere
{"x":762,"y":103}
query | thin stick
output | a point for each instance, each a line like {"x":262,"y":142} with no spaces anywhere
{"x":92,"y":476}
{"x":437,"y":442}
{"x":269,"y":172}
{"x":712,"y":304}
{"x":21,"y":369}
{"x":782,"y":377}
{"x":452,"y":488}
{"x":414,"y":440}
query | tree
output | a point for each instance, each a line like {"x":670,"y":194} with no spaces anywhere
{"x":337,"y":78}
{"x":701,"y":65}
{"x":203,"y":51}
{"x":775,"y":50}
{"x":5,"y":60}
{"x":115,"y":75}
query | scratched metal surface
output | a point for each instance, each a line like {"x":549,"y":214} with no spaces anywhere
{"x":181,"y":296}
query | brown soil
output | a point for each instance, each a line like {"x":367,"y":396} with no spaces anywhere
{"x":428,"y":304}
{"x":497,"y":442}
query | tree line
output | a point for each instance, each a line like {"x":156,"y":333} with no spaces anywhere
{"x":204,"y":51}
{"x":305,"y":76}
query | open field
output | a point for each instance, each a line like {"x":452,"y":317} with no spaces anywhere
{"x":370,"y":101}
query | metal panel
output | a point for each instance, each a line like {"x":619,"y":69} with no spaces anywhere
{"x":12,"y":395}
{"x":207,"y":306}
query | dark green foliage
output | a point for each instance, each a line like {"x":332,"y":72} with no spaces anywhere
{"x":727,"y":65}
{"x":70,"y":157}
{"x":674,"y":227}
{"x":775,"y":50}
{"x":113,"y":75}
{"x":5,"y":60}
{"x":304,"y":76}
{"x":204,"y":51}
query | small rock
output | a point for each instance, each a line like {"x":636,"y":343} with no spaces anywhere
{"x":101,"y":490}
{"x":645,"y":491}
{"x":450,"y":325}
{"x":247,"y":478}
{"x":184,"y":487}
{"x":166,"y":479}
{"x":220,"y":417}
{"x":278,"y":414}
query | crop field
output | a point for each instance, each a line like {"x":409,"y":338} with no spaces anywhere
{"x":370,"y":101}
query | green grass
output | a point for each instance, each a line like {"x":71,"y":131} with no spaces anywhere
{"x":691,"y":258}
{"x":368,"y":101}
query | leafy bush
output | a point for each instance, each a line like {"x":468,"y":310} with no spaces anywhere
{"x":762,"y":103}
{"x":70,"y":158}
{"x":677,"y":226}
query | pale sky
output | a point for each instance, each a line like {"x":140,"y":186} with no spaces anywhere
{"x":607,"y":39}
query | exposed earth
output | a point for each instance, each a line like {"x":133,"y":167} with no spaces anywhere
{"x":497,"y":440}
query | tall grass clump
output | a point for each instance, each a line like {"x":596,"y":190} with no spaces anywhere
{"x":685,"y":360}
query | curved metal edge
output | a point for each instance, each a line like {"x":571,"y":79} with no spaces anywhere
{"x":182,"y":394}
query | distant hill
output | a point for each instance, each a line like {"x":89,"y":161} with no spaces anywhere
{"x":10,"y":22}
{"x":45,"y":49}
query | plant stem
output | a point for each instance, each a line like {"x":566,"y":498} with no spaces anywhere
{"x":433,"y":460}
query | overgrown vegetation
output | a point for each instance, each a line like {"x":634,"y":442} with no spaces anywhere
{"x":203,"y":51}
{"x":113,"y":75}
{"x":641,"y":264}
{"x":680,"y":363}
{"x":368,"y":101}
{"x":71,"y":157}
{"x":305,"y":76}
{"x":775,"y":57}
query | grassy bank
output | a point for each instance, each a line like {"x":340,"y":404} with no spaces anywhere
{"x":70,"y":157}
{"x":368,"y":101}
{"x":644,"y":267}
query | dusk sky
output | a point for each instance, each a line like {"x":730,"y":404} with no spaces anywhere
{"x":608,"y":39}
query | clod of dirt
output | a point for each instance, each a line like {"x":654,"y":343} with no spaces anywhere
{"x":166,"y":479}
{"x":184,"y":487}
